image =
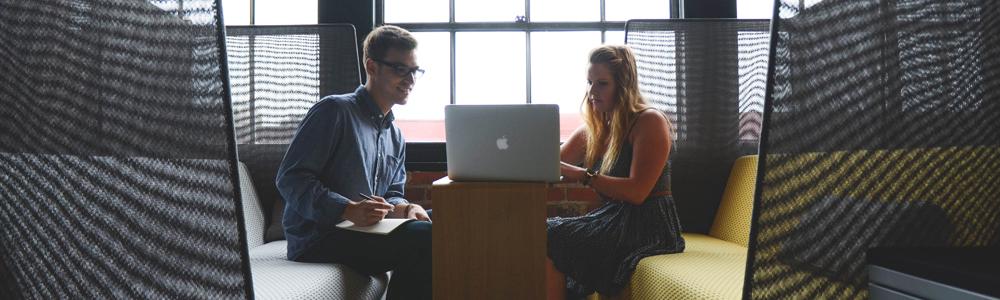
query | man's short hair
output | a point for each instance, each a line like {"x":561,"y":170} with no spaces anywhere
{"x":386,"y":37}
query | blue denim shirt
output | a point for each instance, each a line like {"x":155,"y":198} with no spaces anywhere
{"x":344,"y":146}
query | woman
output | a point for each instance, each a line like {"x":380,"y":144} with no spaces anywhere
{"x":623,"y":148}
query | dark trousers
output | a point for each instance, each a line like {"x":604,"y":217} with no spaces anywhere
{"x":406,"y":251}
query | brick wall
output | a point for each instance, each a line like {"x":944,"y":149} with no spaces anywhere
{"x":564,"y":199}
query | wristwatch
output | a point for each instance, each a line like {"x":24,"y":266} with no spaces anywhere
{"x":588,"y":175}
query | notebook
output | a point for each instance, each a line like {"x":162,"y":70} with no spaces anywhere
{"x":382,"y":227}
{"x":518,"y":142}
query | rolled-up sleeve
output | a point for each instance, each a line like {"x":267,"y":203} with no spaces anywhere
{"x":298,"y":178}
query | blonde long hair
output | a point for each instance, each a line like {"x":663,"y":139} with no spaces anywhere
{"x":613,"y":126}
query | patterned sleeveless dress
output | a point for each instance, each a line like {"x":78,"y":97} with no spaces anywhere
{"x":600,"y":250}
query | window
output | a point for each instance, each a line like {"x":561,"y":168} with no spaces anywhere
{"x":500,"y":52}
{"x":269,"y":12}
{"x":754,"y":9}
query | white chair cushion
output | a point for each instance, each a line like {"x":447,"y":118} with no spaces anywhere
{"x":275,"y":277}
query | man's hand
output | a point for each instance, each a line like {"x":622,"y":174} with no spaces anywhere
{"x":417,"y":212}
{"x":367,"y":212}
{"x":398,"y":212}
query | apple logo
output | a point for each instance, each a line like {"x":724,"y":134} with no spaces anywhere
{"x":502,"y":143}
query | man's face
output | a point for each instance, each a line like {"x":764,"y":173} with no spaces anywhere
{"x":394,"y":75}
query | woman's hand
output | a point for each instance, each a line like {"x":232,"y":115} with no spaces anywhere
{"x":571,"y":173}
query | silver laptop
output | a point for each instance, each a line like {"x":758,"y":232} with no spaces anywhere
{"x":517,"y":142}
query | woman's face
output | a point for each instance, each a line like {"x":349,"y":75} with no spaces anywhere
{"x":601,"y":93}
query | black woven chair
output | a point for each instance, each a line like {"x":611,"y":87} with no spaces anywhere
{"x":709,"y":76}
{"x":117,"y":155}
{"x":278,"y":73}
{"x":882,"y":128}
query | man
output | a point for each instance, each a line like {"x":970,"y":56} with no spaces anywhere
{"x":347,"y":149}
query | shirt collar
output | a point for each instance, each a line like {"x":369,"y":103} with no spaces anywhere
{"x":371,"y":109}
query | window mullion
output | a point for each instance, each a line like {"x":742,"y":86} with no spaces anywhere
{"x":527,"y":68}
{"x":603,"y":18}
{"x":604,"y":31}
{"x":451,"y":41}
{"x":452,"y":46}
{"x":527,"y":51}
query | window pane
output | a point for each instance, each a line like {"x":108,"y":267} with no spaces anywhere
{"x":622,"y":10}
{"x":236,"y":12}
{"x":490,"y":68}
{"x":614,"y":38}
{"x":559,"y":72}
{"x":422,"y":118}
{"x":754,"y":9}
{"x":285,"y":12}
{"x":488,"y":11}
{"x":565,"y":10}
{"x":409,"y":11}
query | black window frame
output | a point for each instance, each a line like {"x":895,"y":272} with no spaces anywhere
{"x":524,"y":24}
{"x":430,"y":156}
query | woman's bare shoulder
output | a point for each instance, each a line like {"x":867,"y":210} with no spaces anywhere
{"x":579,"y":133}
{"x":650,"y":122}
{"x":652,"y":118}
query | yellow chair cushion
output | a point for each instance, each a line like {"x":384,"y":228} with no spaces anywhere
{"x":732,"y":220}
{"x":709,"y":268}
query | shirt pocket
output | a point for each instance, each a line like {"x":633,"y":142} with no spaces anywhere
{"x":388,"y":170}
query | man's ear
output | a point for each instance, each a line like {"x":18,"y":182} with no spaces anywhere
{"x":369,"y":67}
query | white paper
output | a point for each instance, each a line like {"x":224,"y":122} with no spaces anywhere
{"x":382,"y":227}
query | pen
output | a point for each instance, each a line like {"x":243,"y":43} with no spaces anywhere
{"x":373,"y":199}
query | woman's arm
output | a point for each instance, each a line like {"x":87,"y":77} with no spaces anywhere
{"x":574,"y":150}
{"x":572,"y":154}
{"x":650,"y":148}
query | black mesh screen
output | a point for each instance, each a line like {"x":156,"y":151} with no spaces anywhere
{"x":117,"y":161}
{"x":709,"y":76}
{"x":881,"y":130}
{"x":279,"y":72}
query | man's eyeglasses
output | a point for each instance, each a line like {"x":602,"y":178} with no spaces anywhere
{"x":401,"y":69}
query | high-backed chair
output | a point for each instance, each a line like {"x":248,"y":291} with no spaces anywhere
{"x":881,"y":129}
{"x":118,"y":171}
{"x":709,"y":76}
{"x":278,"y":73}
